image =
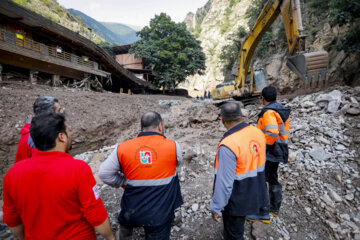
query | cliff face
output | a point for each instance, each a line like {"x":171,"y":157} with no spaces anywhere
{"x":215,"y":24}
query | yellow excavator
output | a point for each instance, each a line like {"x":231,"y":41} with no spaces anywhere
{"x":310,"y":67}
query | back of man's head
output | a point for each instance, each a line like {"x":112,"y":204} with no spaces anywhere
{"x":269,"y":93}
{"x":150,"y":121}
{"x":231,"y":112}
{"x":44,"y":104}
{"x":45,"y":128}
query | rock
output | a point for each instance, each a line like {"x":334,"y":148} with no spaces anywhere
{"x":195,"y":207}
{"x":176,"y":228}
{"x":333,"y":225}
{"x":332,"y":100}
{"x":322,"y":140}
{"x":308,"y":104}
{"x":335,"y":196}
{"x":353,"y":111}
{"x":189,"y":155}
{"x":340,"y":147}
{"x":292,"y":156}
{"x":328,"y":201}
{"x":345,"y":216}
{"x":260,"y":230}
{"x":319,"y":154}
{"x":349,"y":197}
{"x":308,"y":211}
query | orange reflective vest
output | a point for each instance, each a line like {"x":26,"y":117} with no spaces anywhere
{"x":249,"y":189}
{"x":152,"y":192}
{"x":274,"y":122}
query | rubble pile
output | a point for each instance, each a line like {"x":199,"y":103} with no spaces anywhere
{"x":320,"y":183}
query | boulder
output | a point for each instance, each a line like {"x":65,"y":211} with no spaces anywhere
{"x":331,"y":100}
{"x":319,"y":154}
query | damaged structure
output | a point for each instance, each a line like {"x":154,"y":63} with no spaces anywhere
{"x":39,"y":45}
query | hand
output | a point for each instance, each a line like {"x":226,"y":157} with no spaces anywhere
{"x":215,"y":217}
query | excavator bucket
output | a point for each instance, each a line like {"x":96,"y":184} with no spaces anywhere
{"x":311,"y":67}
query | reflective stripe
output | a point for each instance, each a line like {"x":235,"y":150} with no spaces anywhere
{"x":150,"y":182}
{"x":282,"y":126}
{"x":271,"y":126}
{"x":284,"y":132}
{"x":215,"y":171}
{"x":275,"y":135}
{"x":252,"y":173}
{"x":282,"y":141}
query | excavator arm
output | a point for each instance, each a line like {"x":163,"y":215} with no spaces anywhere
{"x":306,"y":65}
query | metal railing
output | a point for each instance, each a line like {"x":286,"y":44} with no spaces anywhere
{"x":51,"y":51}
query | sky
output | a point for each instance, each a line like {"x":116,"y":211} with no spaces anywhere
{"x":133,"y":12}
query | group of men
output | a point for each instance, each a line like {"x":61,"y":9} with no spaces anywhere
{"x":50,"y":195}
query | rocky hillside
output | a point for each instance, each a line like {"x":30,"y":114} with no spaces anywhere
{"x":53,"y":11}
{"x":216,"y":23}
{"x":213,"y":25}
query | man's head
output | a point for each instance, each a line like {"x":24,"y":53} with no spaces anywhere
{"x":230,"y":114}
{"x":152,"y":121}
{"x":50,"y":132}
{"x":46,"y":104}
{"x":268,"y":95}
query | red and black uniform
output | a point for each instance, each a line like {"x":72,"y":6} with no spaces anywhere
{"x":26,"y":146}
{"x":54,"y":196}
{"x":152,"y":192}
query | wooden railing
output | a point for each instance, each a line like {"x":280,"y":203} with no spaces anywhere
{"x":28,"y":43}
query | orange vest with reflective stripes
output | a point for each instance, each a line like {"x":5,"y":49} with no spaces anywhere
{"x":249,"y":189}
{"x":274,"y":122}
{"x":147,"y":158}
{"x":248,"y":145}
{"x":153,"y":191}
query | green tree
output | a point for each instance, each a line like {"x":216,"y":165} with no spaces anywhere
{"x":170,"y":50}
{"x":344,"y":11}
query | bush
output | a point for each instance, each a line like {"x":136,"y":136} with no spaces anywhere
{"x":350,"y":42}
{"x":344,"y":11}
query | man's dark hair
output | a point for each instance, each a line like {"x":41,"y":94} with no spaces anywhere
{"x":231,"y":112}
{"x":44,"y":104}
{"x":45,"y":128}
{"x":269,"y":93}
{"x":150,"y":120}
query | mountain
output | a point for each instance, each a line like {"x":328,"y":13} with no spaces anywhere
{"x":99,"y":28}
{"x":52,"y":10}
{"x":128,"y":33}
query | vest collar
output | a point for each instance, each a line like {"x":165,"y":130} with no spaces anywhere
{"x":234,"y":129}
{"x":141,"y":134}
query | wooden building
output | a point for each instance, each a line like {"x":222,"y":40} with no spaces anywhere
{"x":131,"y":63}
{"x":30,"y":41}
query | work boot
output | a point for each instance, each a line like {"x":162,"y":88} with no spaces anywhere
{"x":275,"y":194}
{"x":259,"y":218}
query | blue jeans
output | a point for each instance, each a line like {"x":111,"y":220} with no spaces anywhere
{"x":161,"y":232}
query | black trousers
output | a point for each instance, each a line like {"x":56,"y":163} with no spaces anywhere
{"x":233,"y":227}
{"x":271,"y":172}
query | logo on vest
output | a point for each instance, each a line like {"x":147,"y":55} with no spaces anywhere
{"x":254,"y":148}
{"x":145,"y":157}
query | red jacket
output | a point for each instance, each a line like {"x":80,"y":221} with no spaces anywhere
{"x":54,"y":195}
{"x":26,"y":146}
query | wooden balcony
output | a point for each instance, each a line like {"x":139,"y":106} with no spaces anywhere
{"x":27,"y":53}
